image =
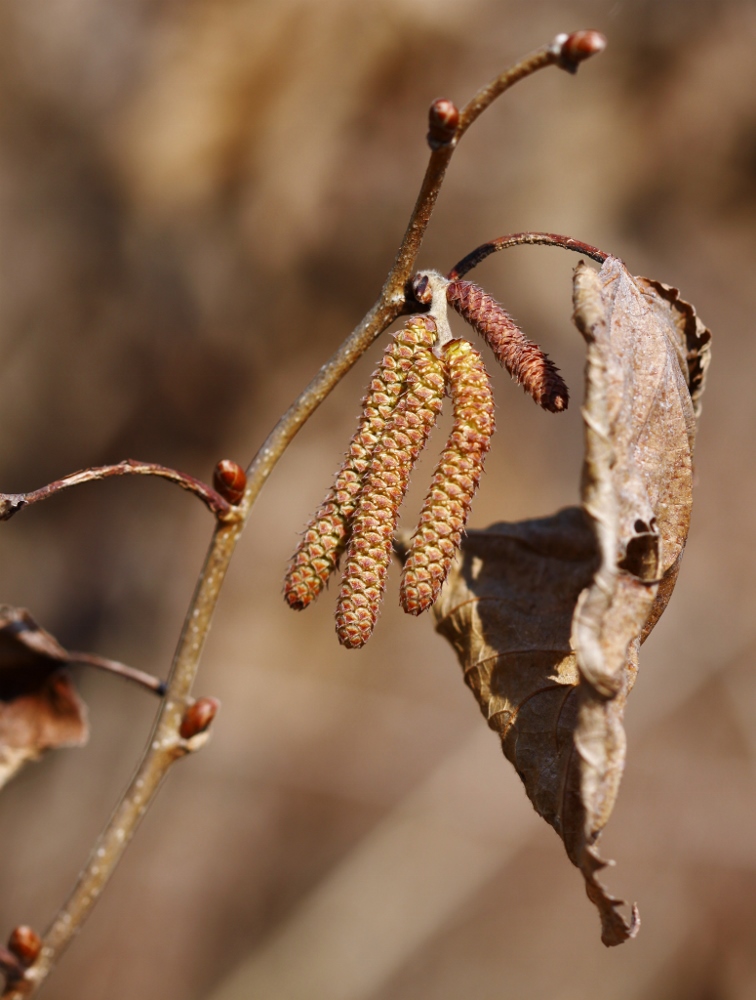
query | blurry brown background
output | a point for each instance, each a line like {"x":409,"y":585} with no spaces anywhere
{"x":198,"y":200}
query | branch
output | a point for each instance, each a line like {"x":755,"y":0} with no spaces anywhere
{"x":523,"y":239}
{"x":166,"y":745}
{"x":565,"y":51}
{"x":11,"y":503}
{"x":120,"y":669}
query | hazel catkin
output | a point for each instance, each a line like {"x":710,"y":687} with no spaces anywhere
{"x":455,"y":480}
{"x":325,"y":537}
{"x":374,"y":521}
{"x":528,"y":365}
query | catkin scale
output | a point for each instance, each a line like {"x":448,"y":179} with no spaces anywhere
{"x":455,"y":480}
{"x":325,"y":537}
{"x":528,"y":365}
{"x":374,"y":520}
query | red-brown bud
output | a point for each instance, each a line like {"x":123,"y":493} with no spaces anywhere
{"x":443,"y":119}
{"x":230,"y":480}
{"x":577,"y":47}
{"x":421,"y":289}
{"x":25,"y":944}
{"x":198,"y":717}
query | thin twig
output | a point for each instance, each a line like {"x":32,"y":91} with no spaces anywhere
{"x":11,"y":503}
{"x":523,"y":239}
{"x":121,"y":669}
{"x":165,"y":745}
{"x":10,"y":966}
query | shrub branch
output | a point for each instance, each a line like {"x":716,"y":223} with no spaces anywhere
{"x":166,"y":745}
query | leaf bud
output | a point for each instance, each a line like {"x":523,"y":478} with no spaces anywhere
{"x":576,"y":48}
{"x":230,"y":480}
{"x":443,"y":119}
{"x":25,"y":944}
{"x":198,"y":717}
{"x":421,"y":289}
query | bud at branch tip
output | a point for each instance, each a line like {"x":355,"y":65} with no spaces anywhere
{"x":575,"y":48}
{"x":443,"y":119}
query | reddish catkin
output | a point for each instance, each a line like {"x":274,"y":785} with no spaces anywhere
{"x":374,"y":521}
{"x":325,"y":536}
{"x":524,"y":360}
{"x":455,"y":480}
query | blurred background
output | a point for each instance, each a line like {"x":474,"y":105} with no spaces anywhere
{"x":198,"y":201}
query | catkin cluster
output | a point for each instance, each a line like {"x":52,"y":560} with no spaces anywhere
{"x":359,"y":514}
{"x":326,"y":535}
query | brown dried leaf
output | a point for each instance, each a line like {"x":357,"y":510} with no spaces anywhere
{"x":547,"y":616}
{"x":39,"y":707}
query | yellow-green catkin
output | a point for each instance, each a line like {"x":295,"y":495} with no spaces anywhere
{"x":455,"y":480}
{"x":325,"y":537}
{"x":374,"y":521}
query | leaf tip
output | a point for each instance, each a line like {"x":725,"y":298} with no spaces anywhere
{"x":618,"y":931}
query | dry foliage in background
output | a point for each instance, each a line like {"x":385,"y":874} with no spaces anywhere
{"x":354,"y":817}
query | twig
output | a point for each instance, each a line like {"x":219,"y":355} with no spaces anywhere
{"x":10,"y":966}
{"x":165,"y":745}
{"x":11,"y":503}
{"x":523,"y":239}
{"x":121,"y":669}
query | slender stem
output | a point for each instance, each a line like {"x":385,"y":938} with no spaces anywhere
{"x":523,"y":239}
{"x":165,"y":745}
{"x":121,"y":669}
{"x":10,"y":965}
{"x":546,"y":56}
{"x":11,"y":503}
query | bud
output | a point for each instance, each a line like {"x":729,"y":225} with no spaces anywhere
{"x":25,"y":944}
{"x":326,"y":535}
{"x":455,"y":480}
{"x":528,"y":365}
{"x":577,"y":47}
{"x":421,"y":289}
{"x":230,"y":480}
{"x":443,"y":119}
{"x":375,"y":518}
{"x":198,"y":717}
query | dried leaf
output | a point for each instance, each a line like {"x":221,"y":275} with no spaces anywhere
{"x":547,"y":616}
{"x":39,"y":707}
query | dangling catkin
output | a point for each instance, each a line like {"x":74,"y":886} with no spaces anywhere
{"x":524,"y":360}
{"x":374,"y":520}
{"x":455,"y":480}
{"x":325,"y":537}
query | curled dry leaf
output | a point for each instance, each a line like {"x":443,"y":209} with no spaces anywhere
{"x":39,"y":707}
{"x":547,"y":616}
